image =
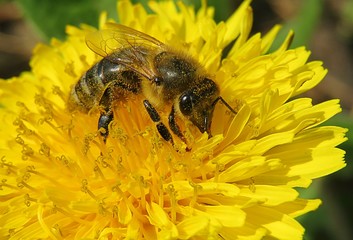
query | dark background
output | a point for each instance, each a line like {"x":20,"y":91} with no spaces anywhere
{"x":324,"y":26}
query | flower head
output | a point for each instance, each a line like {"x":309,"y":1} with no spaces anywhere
{"x":59,"y":180}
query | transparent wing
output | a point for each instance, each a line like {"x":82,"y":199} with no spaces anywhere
{"x":127,"y":46}
{"x":116,"y":36}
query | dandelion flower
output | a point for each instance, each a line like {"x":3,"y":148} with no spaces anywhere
{"x":59,"y":180}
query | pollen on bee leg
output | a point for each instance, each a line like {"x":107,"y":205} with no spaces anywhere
{"x":103,"y":132}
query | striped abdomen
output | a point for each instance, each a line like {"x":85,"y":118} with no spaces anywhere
{"x":101,"y":84}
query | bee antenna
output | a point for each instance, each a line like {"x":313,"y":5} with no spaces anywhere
{"x":225,"y":103}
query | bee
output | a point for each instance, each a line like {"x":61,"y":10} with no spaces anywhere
{"x":136,"y":63}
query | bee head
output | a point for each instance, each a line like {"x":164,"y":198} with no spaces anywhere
{"x":197,"y":104}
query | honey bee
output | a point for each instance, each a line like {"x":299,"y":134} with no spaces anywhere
{"x":136,"y":63}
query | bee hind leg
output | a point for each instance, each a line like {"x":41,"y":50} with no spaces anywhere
{"x":103,"y":122}
{"x":162,"y":129}
{"x":107,"y":115}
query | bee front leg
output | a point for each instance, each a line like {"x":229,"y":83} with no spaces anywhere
{"x":162,"y":129}
{"x":174,"y":126}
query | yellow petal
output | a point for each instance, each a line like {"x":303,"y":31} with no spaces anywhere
{"x":227,"y":216}
{"x":299,"y":206}
{"x":193,"y":226}
{"x":233,"y":26}
{"x":279,"y":225}
{"x":270,"y":195}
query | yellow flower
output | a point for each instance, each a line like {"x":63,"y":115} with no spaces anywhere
{"x":60,"y":181}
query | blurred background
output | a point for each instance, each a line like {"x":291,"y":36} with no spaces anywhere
{"x":324,"y":26}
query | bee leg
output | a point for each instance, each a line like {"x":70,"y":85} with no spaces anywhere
{"x":174,"y":126}
{"x":162,"y":129}
{"x":107,"y":114}
{"x":103,"y":122}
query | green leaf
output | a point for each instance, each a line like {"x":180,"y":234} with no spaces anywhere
{"x":49,"y":18}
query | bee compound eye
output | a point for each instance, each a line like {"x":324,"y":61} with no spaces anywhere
{"x":186,"y":103}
